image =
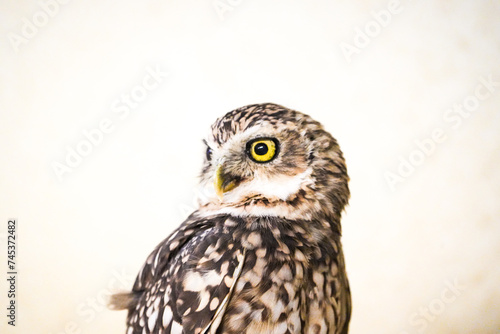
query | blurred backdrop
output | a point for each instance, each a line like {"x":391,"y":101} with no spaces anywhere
{"x":103,"y":106}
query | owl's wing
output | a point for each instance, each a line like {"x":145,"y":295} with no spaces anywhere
{"x":186,"y":282}
{"x":160,"y":259}
{"x":156,"y":263}
{"x":203,"y":295}
{"x":209,"y":268}
{"x":213,"y":325}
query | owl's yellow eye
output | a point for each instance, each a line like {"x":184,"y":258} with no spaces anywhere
{"x":262,"y":150}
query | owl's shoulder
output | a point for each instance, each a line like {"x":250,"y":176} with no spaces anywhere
{"x":194,"y":231}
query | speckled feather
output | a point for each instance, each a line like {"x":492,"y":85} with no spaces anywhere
{"x":256,"y":262}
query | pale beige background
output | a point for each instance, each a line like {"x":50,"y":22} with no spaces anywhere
{"x":87,"y":235}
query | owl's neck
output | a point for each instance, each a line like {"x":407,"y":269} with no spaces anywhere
{"x":305,"y":205}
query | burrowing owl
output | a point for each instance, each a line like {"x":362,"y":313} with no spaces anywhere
{"x":262,"y":254}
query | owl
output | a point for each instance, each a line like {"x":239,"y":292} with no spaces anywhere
{"x":262,"y":254}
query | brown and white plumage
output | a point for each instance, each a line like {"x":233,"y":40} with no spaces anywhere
{"x":262,"y":254}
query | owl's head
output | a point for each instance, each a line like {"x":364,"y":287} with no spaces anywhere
{"x":267,"y":160}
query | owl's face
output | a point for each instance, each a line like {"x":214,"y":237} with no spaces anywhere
{"x":266,"y":160}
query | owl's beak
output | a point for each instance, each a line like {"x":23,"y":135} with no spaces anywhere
{"x":221,"y":184}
